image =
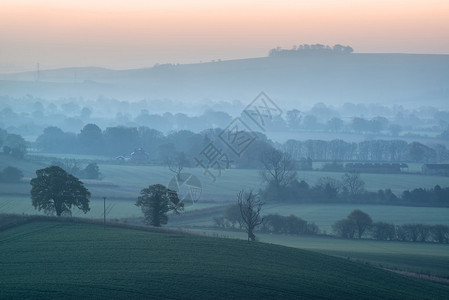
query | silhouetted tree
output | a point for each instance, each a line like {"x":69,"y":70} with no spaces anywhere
{"x":345,"y":228}
{"x":91,"y":139}
{"x":91,"y":171}
{"x":278,"y":168}
{"x":328,"y":187}
{"x":176,"y":163}
{"x":56,"y":191}
{"x":361,"y":220}
{"x":352,"y":184}
{"x":250,"y":206}
{"x":383,"y":231}
{"x":156,"y":201}
{"x":53,"y":139}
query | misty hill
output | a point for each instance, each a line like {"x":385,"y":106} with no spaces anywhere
{"x":50,"y":259}
{"x":291,"y":80}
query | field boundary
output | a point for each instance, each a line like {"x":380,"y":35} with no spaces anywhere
{"x":426,"y":277}
{"x":8,"y":221}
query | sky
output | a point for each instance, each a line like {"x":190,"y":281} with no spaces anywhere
{"x":128,"y":34}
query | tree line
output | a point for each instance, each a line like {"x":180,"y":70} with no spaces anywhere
{"x":350,"y":189}
{"x":357,"y":225}
{"x":29,"y":116}
{"x":12,"y":144}
{"x":371,"y":150}
{"x":360,"y":225}
{"x":122,"y":140}
{"x":279,"y":174}
{"x":56,"y":192}
{"x":314,"y":48}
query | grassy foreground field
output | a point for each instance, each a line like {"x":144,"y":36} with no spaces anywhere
{"x":49,"y":259}
{"x":422,"y":258}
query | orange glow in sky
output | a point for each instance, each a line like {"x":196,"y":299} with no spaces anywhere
{"x":133,"y":33}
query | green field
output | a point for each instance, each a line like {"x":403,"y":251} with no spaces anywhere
{"x":42,"y":260}
{"x":126,"y":180}
{"x":323,"y":215}
{"x":122,"y":182}
{"x":423,"y":258}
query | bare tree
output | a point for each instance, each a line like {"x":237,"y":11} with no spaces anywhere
{"x":353,"y":184}
{"x":176,"y":163}
{"x":250,"y":206}
{"x":279,"y":168}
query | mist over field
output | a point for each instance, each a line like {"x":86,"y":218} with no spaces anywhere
{"x":315,"y":172}
{"x":294,"y":81}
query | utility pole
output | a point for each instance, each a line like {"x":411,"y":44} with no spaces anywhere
{"x":104,"y":212}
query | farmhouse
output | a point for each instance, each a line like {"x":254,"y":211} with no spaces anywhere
{"x":435,"y":169}
{"x":139,"y":155}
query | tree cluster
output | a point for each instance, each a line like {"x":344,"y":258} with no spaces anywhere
{"x":354,"y":225}
{"x":350,"y":188}
{"x":370,"y":150}
{"x":11,"y":175}
{"x":359,"y":224}
{"x":12,"y":145}
{"x":72,"y":166}
{"x":161,"y":149}
{"x":314,"y":48}
{"x":274,"y":223}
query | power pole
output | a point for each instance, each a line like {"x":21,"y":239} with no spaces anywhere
{"x":104,"y":212}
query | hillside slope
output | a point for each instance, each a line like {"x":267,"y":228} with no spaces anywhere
{"x":292,"y":80}
{"x":42,"y":260}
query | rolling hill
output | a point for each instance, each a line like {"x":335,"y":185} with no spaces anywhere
{"x":53,"y":259}
{"x":291,"y":80}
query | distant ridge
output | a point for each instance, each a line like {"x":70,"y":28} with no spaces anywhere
{"x":307,"y":77}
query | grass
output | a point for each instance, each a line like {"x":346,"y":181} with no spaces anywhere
{"x":42,"y":260}
{"x":130,"y":179}
{"x":323,"y":215}
{"x":426,"y":258}
{"x":116,"y":208}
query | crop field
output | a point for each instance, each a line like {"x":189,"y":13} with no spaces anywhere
{"x":425,"y":258}
{"x":121,"y":184}
{"x":46,"y":259}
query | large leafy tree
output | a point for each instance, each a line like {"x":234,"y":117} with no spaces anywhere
{"x":156,"y":201}
{"x":56,"y":191}
{"x":361,"y":220}
{"x":91,"y":139}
